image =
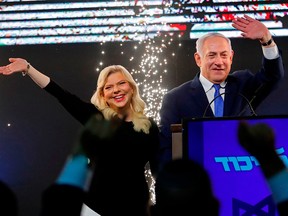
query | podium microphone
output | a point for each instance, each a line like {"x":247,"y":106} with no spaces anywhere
{"x":245,"y":98}
{"x":250,"y":102}
{"x":204,"y":114}
{"x":249,"y":105}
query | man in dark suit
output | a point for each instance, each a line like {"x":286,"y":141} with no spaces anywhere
{"x":242,"y":90}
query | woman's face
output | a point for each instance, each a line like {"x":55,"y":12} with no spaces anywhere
{"x":117,"y":92}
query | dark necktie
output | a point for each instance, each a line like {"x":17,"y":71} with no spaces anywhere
{"x":218,"y":102}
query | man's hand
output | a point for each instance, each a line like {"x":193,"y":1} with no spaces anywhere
{"x":252,"y":29}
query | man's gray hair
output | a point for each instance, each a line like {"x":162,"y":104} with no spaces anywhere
{"x":202,"y":39}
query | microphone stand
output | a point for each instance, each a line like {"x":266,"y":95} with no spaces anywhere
{"x":245,"y":98}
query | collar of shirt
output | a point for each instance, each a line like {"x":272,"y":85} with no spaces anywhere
{"x":208,"y":86}
{"x":209,"y":90}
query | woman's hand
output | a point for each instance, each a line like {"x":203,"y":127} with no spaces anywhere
{"x":16,"y":65}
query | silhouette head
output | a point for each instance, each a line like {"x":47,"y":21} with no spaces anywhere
{"x":8,"y":200}
{"x":183,"y":187}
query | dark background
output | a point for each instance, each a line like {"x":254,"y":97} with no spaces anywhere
{"x":34,"y":148}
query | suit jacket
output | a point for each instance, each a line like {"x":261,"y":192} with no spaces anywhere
{"x":242,"y":89}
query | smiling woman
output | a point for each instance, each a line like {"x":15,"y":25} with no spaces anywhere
{"x":135,"y":145}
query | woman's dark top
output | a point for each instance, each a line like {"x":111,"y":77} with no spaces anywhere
{"x":118,"y":185}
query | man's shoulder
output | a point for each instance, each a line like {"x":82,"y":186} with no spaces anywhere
{"x":183,"y":87}
{"x":240,"y":74}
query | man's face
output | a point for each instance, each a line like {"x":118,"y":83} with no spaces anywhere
{"x":216,"y":59}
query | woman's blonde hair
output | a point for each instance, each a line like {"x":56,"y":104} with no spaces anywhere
{"x":139,"y":119}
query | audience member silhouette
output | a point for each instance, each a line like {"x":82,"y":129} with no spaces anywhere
{"x":259,"y":141}
{"x":8,"y":200}
{"x":67,"y":195}
{"x":183,"y":187}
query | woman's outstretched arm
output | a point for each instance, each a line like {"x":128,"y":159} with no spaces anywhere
{"x":19,"y":65}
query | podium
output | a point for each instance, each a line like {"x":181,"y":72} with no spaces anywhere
{"x":177,"y":145}
{"x":238,"y":182}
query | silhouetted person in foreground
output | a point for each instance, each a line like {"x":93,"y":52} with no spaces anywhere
{"x":183,"y":187}
{"x":259,"y":141}
{"x":67,"y":195}
{"x":8,"y":201}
